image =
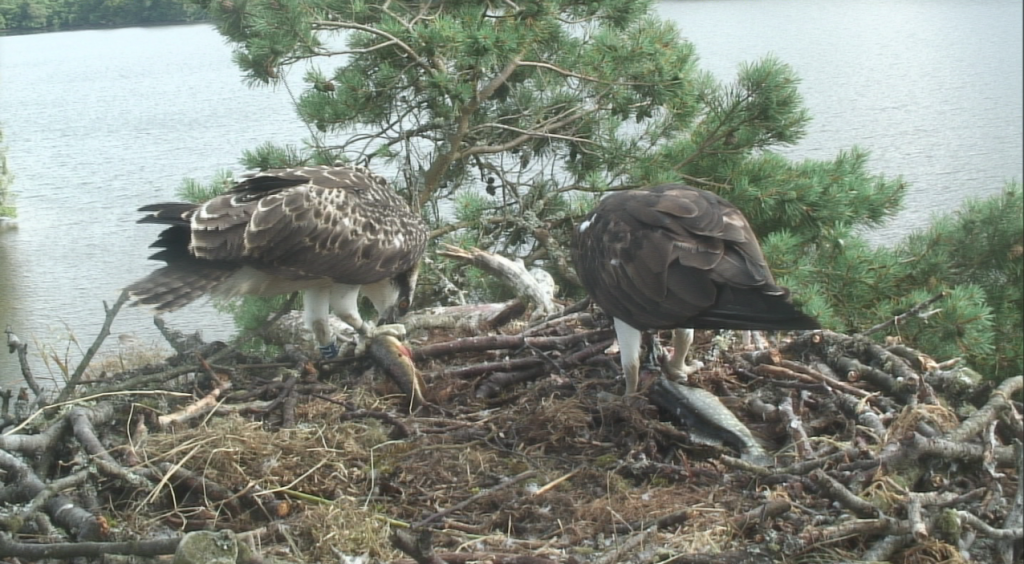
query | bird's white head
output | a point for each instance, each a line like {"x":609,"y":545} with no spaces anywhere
{"x":392,"y":297}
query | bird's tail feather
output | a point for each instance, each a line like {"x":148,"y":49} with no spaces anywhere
{"x":168,"y":213}
{"x":753,"y":310}
{"x":175,"y":286}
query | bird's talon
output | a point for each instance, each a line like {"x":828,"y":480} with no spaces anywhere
{"x":396,"y":330}
{"x":682,"y":373}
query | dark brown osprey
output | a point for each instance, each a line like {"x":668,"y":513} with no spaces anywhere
{"x":675,"y":257}
{"x":331,"y":232}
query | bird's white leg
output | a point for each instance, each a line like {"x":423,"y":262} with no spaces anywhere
{"x":629,"y":351}
{"x":677,"y":366}
{"x":317,"y":303}
{"x":344,"y":300}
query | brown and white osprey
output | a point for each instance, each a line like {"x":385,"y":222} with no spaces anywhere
{"x":676,"y":257}
{"x":331,"y":232}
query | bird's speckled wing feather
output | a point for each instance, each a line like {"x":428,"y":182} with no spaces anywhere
{"x":296,"y":228}
{"x":342,"y":224}
{"x":675,"y":256}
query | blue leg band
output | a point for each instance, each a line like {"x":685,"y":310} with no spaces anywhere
{"x":329,"y":351}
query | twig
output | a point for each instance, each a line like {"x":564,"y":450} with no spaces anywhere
{"x":634,"y":540}
{"x":997,"y":403}
{"x":848,"y":499}
{"x":207,"y":403}
{"x":796,"y":429}
{"x":16,"y":345}
{"x":144,"y":380}
{"x":909,"y":313}
{"x":513,"y":273}
{"x":67,"y":551}
{"x":518,"y":478}
{"x":60,"y":508}
{"x":418,"y":546}
{"x":76,"y":378}
{"x":478,"y":344}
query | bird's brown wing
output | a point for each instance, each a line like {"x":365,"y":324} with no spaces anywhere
{"x":343,"y":224}
{"x":674,"y":256}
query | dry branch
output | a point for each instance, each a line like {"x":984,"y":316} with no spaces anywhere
{"x":497,"y":342}
{"x":16,"y":345}
{"x":538,"y":290}
{"x":25,"y":485}
{"x":76,"y":377}
{"x":870,"y":447}
{"x":68,"y":551}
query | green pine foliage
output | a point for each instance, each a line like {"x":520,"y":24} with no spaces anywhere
{"x":977,"y":254}
{"x":503,"y":122}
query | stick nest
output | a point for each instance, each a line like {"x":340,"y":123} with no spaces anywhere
{"x":879,"y":453}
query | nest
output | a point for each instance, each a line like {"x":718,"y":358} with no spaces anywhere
{"x":872,"y":457}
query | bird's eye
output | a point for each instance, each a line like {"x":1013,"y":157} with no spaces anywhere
{"x":404,"y":304}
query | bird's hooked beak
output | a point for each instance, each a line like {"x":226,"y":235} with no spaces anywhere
{"x":394,"y":312}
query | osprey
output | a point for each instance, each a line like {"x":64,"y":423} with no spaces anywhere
{"x":676,"y":257}
{"x":331,"y":232}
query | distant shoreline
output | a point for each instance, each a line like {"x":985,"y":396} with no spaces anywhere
{"x":34,"y":31}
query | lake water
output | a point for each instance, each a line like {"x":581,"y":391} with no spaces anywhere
{"x":98,"y":123}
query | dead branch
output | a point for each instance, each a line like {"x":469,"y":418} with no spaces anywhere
{"x":495,"y":342}
{"x":68,"y":551}
{"x":495,"y":383}
{"x":499,"y":381}
{"x":143,"y":381}
{"x":181,"y":343}
{"x":524,"y":283}
{"x":465,"y":320}
{"x":419,"y":546}
{"x":796,"y":429}
{"x":15,"y":345}
{"x":185,"y":481}
{"x":510,"y":482}
{"x":915,"y":311}
{"x":840,"y":494}
{"x":631,"y":543}
{"x":402,"y":430}
{"x":674,"y":519}
{"x":998,"y":403}
{"x":204,"y":405}
{"x":62,"y":510}
{"x":760,"y":515}
{"x":490,"y":558}
{"x":36,"y":444}
{"x":477,"y":370}
{"x":76,"y":377}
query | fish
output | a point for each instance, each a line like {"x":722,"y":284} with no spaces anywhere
{"x":708,"y":420}
{"x":395,"y":360}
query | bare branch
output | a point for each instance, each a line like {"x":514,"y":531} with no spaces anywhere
{"x":417,"y":59}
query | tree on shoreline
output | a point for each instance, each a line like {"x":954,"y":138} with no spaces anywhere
{"x":52,"y":15}
{"x":503,"y":122}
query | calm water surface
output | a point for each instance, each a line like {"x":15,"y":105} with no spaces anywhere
{"x":933,"y":88}
{"x":98,"y":123}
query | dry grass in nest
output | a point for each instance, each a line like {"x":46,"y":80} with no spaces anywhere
{"x":930,"y":552}
{"x":319,"y":458}
{"x":937,"y":416}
